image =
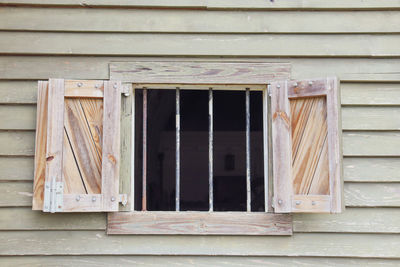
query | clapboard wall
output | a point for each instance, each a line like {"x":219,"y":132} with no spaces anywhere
{"x":358,"y":41}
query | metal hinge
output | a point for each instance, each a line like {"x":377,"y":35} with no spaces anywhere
{"x":53,"y":197}
{"x":123,"y":198}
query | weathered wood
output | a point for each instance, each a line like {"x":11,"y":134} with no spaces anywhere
{"x":370,"y":93}
{"x":370,"y":118}
{"x":199,"y":223}
{"x":355,"y":143}
{"x":360,"y":169}
{"x":18,"y":92}
{"x":365,"y":143}
{"x":16,"y":168}
{"x":338,"y":45}
{"x":372,"y":195}
{"x":17,"y":117}
{"x":219,"y":4}
{"x":198,"y":72}
{"x":40,"y":146}
{"x":82,"y":142}
{"x":195,"y":21}
{"x":311,"y":203}
{"x":203,"y":261}
{"x":281,"y":147}
{"x":36,"y":220}
{"x":22,"y":117}
{"x":98,"y":243}
{"x":16,"y":194}
{"x":111,"y":145}
{"x":126,"y":177}
{"x":353,"y":220}
{"x":335,"y":146}
{"x":83,"y":203}
{"x":82,"y":89}
{"x":348,"y":69}
{"x":309,"y":128}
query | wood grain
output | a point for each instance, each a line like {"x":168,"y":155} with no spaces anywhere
{"x":98,"y":243}
{"x":111,"y":145}
{"x":198,"y":223}
{"x":126,"y":177}
{"x":86,"y":157}
{"x":281,"y":147}
{"x":309,"y":132}
{"x":55,"y":135}
{"x":198,"y":72}
{"x":196,"y":21}
{"x":40,"y":147}
{"x":87,"y":67}
{"x":83,"y":89}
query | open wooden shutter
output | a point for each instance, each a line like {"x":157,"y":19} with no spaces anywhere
{"x":77,"y":154}
{"x":306,"y":146}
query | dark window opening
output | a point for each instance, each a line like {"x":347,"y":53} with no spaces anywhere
{"x":229,"y":153}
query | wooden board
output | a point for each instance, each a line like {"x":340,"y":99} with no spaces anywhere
{"x":98,"y":243}
{"x":281,"y":147}
{"x":111,"y":145}
{"x":18,"y":92}
{"x":195,"y":21}
{"x":260,"y":45}
{"x":84,"y":67}
{"x":355,"y":143}
{"x":198,"y":223}
{"x":16,"y":168}
{"x":82,"y":134}
{"x":36,"y":220}
{"x":219,"y":4}
{"x":370,"y":94}
{"x":105,"y":261}
{"x":353,"y":220}
{"x":198,"y":72}
{"x":40,"y":147}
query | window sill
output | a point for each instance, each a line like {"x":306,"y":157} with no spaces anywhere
{"x":198,"y":223}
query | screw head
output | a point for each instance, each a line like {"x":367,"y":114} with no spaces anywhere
{"x":80,"y":84}
{"x":295,"y":84}
{"x":313,"y":203}
{"x":126,"y":94}
{"x":115,"y":86}
{"x":112,"y":199}
{"x":298,"y":202}
{"x":310,"y":83}
{"x":94,"y":199}
{"x":96,"y":86}
{"x":280,"y":201}
{"x":278,"y":86}
{"x":78,"y":198}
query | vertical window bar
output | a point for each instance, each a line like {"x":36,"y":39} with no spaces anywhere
{"x":177,"y":151}
{"x":248,"y":185}
{"x":144,"y":167}
{"x":266,"y":150}
{"x":210,"y":150}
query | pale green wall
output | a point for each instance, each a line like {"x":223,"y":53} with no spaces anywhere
{"x":361,"y":47}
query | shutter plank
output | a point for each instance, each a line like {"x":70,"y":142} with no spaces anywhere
{"x":55,"y":129}
{"x":82,"y":146}
{"x":40,"y":149}
{"x":111,"y":145}
{"x":281,"y":147}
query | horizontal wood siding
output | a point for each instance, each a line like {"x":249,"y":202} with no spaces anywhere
{"x":63,"y":39}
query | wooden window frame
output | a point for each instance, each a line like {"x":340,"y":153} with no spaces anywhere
{"x":196,"y":75}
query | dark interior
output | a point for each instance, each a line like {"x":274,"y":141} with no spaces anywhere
{"x":229,"y":150}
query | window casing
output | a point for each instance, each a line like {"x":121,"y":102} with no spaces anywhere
{"x":203,"y":75}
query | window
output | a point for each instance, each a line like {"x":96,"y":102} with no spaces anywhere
{"x":245,"y":148}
